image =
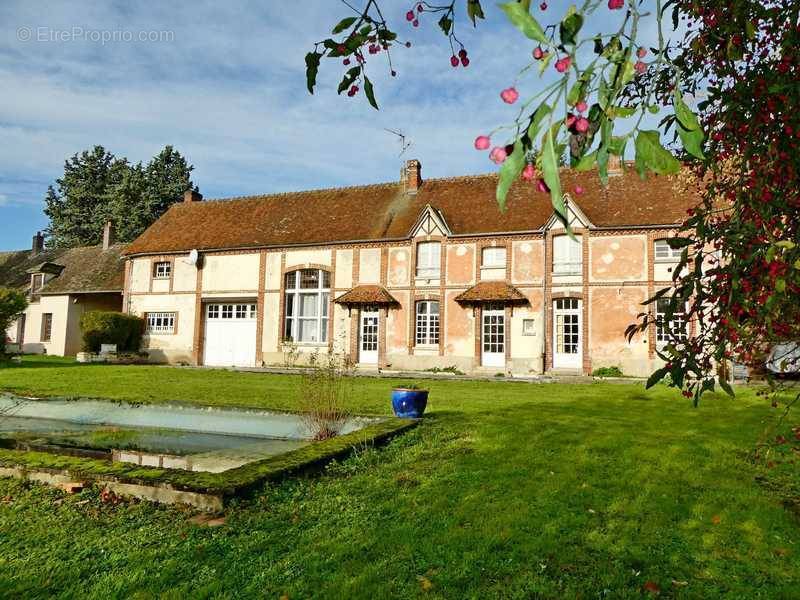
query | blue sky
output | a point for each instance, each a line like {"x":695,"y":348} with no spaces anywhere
{"x":227,"y":89}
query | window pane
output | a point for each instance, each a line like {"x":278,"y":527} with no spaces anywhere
{"x":309,"y":279}
{"x":433,"y":308}
{"x":308,"y":305}
{"x":325,"y":303}
{"x":290,"y":305}
{"x":307,"y":330}
{"x":326,"y":280}
{"x":324,"y":331}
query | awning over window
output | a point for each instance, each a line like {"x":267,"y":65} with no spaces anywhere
{"x":492,"y":291}
{"x":366,"y":294}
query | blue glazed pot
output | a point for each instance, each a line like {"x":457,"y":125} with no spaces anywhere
{"x":409,"y":404}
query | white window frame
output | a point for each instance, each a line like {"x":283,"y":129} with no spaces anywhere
{"x":293,"y":292}
{"x":429,"y":260}
{"x":161,"y":323}
{"x":162,"y":269}
{"x":493,"y":257}
{"x":663,"y":329}
{"x":662,"y":252}
{"x":427,"y":329}
{"x":567,"y":255}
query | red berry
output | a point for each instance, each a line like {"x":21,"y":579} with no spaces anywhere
{"x":410,"y":15}
{"x":616,"y":4}
{"x":415,"y":23}
{"x":538,"y":53}
{"x":543,"y":6}
{"x":454,"y":60}
{"x":462,"y":53}
{"x":640,"y":67}
{"x":465,"y":61}
{"x":394,"y":73}
{"x":346,"y":61}
{"x":641,"y":52}
{"x":408,"y":44}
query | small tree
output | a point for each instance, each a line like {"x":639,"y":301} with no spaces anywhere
{"x":324,"y":391}
{"x":12,"y":304}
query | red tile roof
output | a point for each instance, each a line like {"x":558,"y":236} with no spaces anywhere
{"x":386,"y":211}
{"x":491,"y":291}
{"x":366,"y":294}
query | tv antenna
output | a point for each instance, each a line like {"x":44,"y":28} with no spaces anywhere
{"x":404,"y":143}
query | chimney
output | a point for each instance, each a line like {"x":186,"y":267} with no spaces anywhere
{"x":614,"y":165}
{"x":413,"y":176}
{"x":38,"y":244}
{"x":190,"y":196}
{"x":108,"y":235}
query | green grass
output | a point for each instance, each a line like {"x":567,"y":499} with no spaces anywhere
{"x":504,"y":490}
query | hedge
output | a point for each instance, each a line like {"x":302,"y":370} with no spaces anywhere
{"x":105,"y":327}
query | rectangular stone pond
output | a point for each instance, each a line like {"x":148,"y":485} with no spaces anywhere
{"x":165,"y":436}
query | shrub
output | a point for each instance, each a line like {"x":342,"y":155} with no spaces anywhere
{"x":324,"y":391}
{"x":12,"y":304}
{"x":407,"y":386}
{"x":105,"y":327}
{"x":608,"y":372}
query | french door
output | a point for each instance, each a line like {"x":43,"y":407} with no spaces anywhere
{"x":493,"y":339}
{"x":368,"y":336}
{"x":567,"y":347}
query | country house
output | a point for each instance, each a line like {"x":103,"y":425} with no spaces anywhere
{"x":414,"y":274}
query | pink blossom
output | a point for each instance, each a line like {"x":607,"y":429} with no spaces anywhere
{"x":509,"y":95}
{"x":528,"y":172}
{"x":498,"y":155}
{"x":578,"y":190}
{"x":482,"y":142}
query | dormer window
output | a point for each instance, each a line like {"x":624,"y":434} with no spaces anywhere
{"x":493,"y":257}
{"x":567,"y":255}
{"x":162,"y":270}
{"x":429,"y":255}
{"x":37,"y":281}
{"x":663,"y":252}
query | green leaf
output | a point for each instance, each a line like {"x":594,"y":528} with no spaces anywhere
{"x":676,"y":243}
{"x":536,"y":120}
{"x":656,"y":376}
{"x":474,"y":11}
{"x":370,"y":92}
{"x":586,"y":162}
{"x":522,"y":20}
{"x":616,"y":145}
{"x":653,"y":155}
{"x":344,"y":24}
{"x":348,"y":79}
{"x":569,"y":27}
{"x":653,"y":108}
{"x":509,"y":171}
{"x":553,"y":181}
{"x":788,"y":244}
{"x":620,"y":111}
{"x":726,"y":387}
{"x":312,"y":67}
{"x":544,"y":62}
{"x":685,"y":116}
{"x":780,"y":285}
{"x":445,"y":24}
{"x":692,"y":141}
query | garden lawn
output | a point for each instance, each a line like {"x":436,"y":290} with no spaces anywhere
{"x":504,"y":490}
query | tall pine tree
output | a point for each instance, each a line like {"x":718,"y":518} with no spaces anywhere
{"x":97,"y":186}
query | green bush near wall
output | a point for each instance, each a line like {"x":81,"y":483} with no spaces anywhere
{"x":106,"y":327}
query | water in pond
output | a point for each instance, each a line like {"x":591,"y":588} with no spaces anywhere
{"x":192,"y":438}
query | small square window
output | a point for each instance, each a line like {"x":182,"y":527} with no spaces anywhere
{"x":213,"y":311}
{"x":47,"y":326}
{"x":528,"y":327}
{"x":162,"y":270}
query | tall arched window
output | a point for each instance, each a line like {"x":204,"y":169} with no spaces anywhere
{"x":307,"y":303}
{"x":427,"y":323}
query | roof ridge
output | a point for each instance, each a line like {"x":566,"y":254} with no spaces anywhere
{"x":296,"y":192}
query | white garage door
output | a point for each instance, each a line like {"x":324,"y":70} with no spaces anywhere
{"x":230,"y":335}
